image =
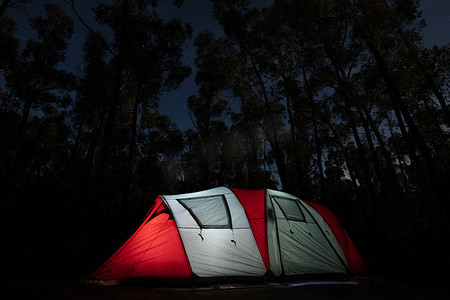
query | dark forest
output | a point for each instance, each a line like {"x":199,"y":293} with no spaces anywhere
{"x":335,"y":101}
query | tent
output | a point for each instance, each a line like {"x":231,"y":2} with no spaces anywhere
{"x":234,"y":232}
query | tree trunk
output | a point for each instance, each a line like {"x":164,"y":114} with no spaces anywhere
{"x":373,"y":153}
{"x":387,"y":157}
{"x":3,"y":7}
{"x":84,"y":176}
{"x":351,"y":172}
{"x":20,"y":132}
{"x":370,"y":205}
{"x":318,"y":149}
{"x":113,"y":108}
{"x":270,"y":130}
{"x":396,"y":97}
{"x":297,"y":163}
{"x":252,"y":163}
{"x":434,"y":188}
{"x":413,"y":52}
{"x":345,"y":96}
{"x":132,"y":152}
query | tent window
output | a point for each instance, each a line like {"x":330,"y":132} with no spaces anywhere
{"x":208,"y":212}
{"x":290,"y":208}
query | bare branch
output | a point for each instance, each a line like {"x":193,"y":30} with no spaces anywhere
{"x":71,"y":3}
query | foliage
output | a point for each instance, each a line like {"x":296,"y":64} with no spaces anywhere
{"x":335,"y":101}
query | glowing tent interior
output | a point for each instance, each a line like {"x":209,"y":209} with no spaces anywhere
{"x":234,"y":232}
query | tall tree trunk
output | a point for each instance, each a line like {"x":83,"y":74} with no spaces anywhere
{"x":270,"y":130}
{"x":84,"y":176}
{"x":297,"y":163}
{"x":113,"y":108}
{"x":436,"y":209}
{"x":361,"y":198}
{"x":20,"y":132}
{"x":413,"y":52}
{"x":345,"y":96}
{"x":373,"y":153}
{"x":362,"y":155}
{"x":132,"y":152}
{"x":252,"y":163}
{"x":396,"y":97}
{"x":76,"y":144}
{"x":3,"y":7}
{"x":387,"y":157}
{"x":341,"y":147}
{"x":318,"y":149}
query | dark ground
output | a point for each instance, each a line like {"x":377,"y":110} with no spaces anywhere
{"x":36,"y":265}
{"x":406,"y":286}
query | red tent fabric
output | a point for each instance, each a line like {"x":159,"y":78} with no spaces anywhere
{"x":159,"y":248}
{"x":255,"y":209}
{"x":154,"y":250}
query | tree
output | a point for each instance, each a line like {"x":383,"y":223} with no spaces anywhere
{"x":237,"y":21}
{"x":208,"y":110}
{"x":146,"y":61}
{"x":8,"y":3}
{"x":89,"y":111}
{"x":35,"y":81}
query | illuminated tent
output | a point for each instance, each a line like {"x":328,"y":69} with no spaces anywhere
{"x":234,"y":232}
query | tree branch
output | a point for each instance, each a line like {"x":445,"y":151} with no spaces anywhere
{"x":71,"y":3}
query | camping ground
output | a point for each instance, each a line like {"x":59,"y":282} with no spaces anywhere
{"x":401,"y":287}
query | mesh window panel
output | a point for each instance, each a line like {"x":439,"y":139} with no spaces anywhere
{"x":209,"y":212}
{"x":290,"y":208}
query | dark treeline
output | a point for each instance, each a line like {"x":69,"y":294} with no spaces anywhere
{"x":333,"y":101}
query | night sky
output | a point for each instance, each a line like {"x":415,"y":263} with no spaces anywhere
{"x":198,"y":14}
